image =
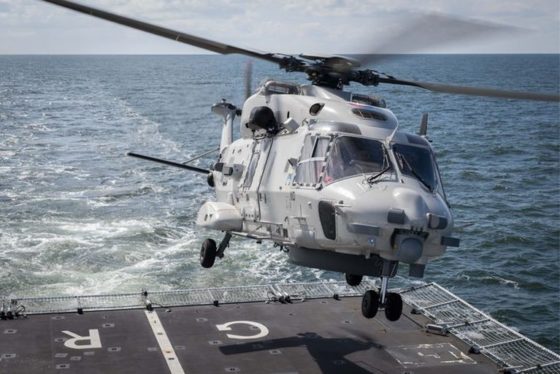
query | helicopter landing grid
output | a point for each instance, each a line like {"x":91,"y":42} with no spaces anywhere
{"x":280,"y":328}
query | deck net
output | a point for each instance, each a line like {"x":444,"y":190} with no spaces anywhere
{"x":509,"y":349}
{"x":291,"y":292}
{"x":506,"y":347}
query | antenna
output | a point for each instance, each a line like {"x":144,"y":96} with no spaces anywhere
{"x":424,"y":125}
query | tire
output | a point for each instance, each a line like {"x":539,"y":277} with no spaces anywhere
{"x":208,"y":253}
{"x":353,"y":279}
{"x":370,"y":304}
{"x":393,"y":306}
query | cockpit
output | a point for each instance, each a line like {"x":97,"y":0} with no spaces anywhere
{"x":350,"y":155}
{"x":418,"y":163}
{"x":326,"y":159}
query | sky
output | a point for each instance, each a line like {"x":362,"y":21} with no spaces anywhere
{"x":289,"y":26}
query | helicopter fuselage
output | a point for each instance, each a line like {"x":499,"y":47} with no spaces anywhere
{"x":332,"y":180}
{"x":324,"y":173}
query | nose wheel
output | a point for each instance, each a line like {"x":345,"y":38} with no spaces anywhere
{"x":393,"y":306}
{"x":370,"y":304}
{"x":389,"y":301}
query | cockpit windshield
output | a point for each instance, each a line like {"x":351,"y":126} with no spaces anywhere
{"x":418,"y":163}
{"x":351,"y":155}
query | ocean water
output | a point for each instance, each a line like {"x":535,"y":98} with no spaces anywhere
{"x":79,"y":217}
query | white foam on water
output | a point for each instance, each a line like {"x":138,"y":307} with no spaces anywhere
{"x":7,"y":154}
{"x":507,"y":282}
{"x":59,"y":242}
{"x":270,"y":264}
{"x":146,"y":131}
{"x":104,"y":229}
{"x":185,"y":244}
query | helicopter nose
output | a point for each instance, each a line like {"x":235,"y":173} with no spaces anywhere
{"x":403,"y":218}
{"x":401,"y":206}
{"x":408,"y":205}
{"x":409,"y":248}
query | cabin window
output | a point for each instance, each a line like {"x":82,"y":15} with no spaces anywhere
{"x":350,"y":155}
{"x":251,"y":170}
{"x":312,"y":160}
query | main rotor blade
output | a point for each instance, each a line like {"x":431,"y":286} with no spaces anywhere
{"x":178,"y":36}
{"x":423,"y":32}
{"x":474,"y":91}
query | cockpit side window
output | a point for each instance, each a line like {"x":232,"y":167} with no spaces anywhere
{"x":312,"y":160}
{"x":321,"y":146}
{"x":418,"y":163}
{"x":352,"y":155}
{"x":308,"y":146}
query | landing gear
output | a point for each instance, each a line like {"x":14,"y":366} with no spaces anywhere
{"x":353,"y":279}
{"x":210,"y":251}
{"x":223,"y":245}
{"x":393,"y":306}
{"x":391,"y":302}
{"x":370,"y":304}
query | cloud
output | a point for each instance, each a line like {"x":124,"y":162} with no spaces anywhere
{"x":327,"y":26}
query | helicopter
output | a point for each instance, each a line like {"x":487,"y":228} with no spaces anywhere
{"x":323,"y":173}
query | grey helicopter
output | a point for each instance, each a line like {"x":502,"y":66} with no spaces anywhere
{"x":323,"y":173}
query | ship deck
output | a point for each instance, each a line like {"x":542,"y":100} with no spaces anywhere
{"x":290,"y":328}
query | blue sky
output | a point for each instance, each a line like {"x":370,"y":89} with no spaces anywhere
{"x":290,"y":26}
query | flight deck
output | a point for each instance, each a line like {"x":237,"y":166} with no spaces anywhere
{"x":280,"y":328}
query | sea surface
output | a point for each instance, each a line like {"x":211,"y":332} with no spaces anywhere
{"x":79,"y":217}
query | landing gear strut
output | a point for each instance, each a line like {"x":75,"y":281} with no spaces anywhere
{"x":210,"y":251}
{"x":223,"y":245}
{"x":389,"y":301}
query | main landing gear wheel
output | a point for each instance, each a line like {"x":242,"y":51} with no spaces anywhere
{"x":393,"y":306}
{"x":370,"y":304}
{"x":208,"y":253}
{"x":353,"y":279}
